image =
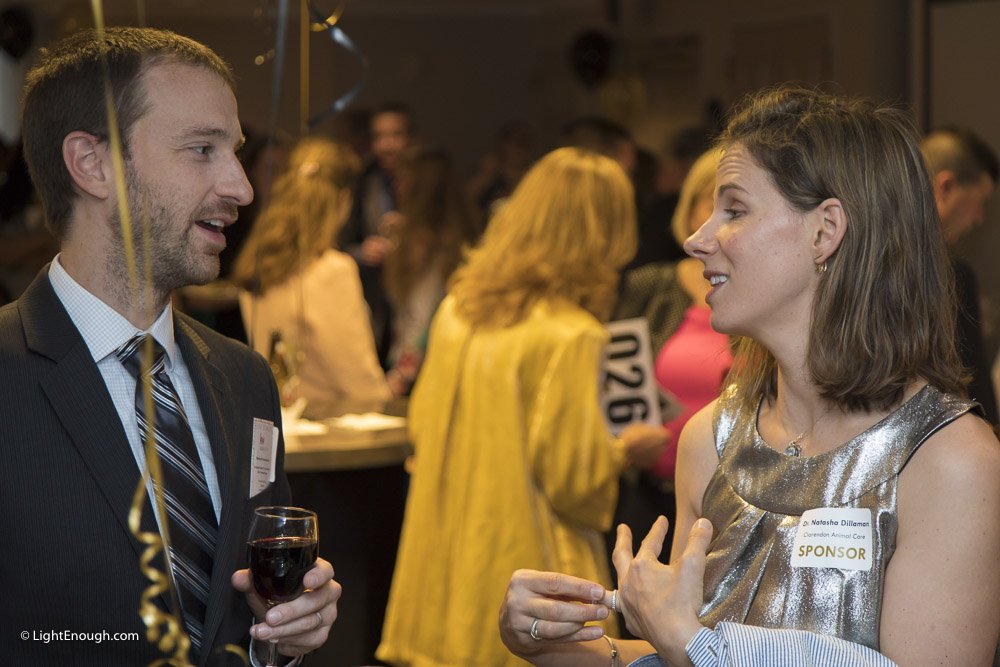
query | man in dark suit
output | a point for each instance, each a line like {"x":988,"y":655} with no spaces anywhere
{"x":70,"y":569}
{"x":368,"y":233}
{"x":964,"y":171}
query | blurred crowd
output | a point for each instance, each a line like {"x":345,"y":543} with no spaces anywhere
{"x":411,"y":215}
{"x":338,"y":267}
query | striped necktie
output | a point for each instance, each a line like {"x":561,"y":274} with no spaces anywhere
{"x":190,"y":517}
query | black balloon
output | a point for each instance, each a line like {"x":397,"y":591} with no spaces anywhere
{"x":591,"y":56}
{"x":16,"y":31}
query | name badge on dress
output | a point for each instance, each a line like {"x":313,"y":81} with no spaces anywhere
{"x":838,"y":537}
{"x":263,"y":455}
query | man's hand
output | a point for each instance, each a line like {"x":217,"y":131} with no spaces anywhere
{"x":374,"y":250}
{"x":303,"y":624}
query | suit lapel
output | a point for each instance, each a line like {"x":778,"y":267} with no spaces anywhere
{"x":211,"y":385}
{"x":78,"y":396}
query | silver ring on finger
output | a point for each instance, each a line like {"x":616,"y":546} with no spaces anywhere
{"x":614,"y":600}
{"x":534,"y":631}
{"x":319,"y":620}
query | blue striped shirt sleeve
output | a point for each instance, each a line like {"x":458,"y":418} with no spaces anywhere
{"x":736,"y":645}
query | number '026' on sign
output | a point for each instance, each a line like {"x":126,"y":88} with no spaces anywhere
{"x":629,"y":389}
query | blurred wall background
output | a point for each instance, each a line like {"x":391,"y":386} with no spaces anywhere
{"x":467,"y":66}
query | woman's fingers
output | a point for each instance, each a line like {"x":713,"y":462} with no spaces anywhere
{"x":558,"y":631}
{"x":549,"y":607}
{"x":622,"y":554}
{"x":561,"y":602}
{"x":653,"y":542}
{"x":554,"y":584}
{"x":698,"y":539}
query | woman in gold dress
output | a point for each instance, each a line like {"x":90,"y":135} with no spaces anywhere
{"x":514,"y":465}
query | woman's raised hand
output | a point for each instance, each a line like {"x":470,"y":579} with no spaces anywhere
{"x":660,"y":602}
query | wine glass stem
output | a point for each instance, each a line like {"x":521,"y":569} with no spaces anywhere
{"x":272,"y":653}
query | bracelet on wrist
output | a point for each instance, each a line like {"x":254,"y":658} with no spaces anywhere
{"x":615,"y":660}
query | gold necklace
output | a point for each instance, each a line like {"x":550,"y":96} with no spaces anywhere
{"x":793,"y":448}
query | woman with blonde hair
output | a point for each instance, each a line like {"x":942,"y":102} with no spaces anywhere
{"x":514,"y":466}
{"x":295,"y":285}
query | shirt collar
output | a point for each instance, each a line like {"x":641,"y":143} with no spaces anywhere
{"x":102,"y":327}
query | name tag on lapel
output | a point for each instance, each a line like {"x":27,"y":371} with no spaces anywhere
{"x":263,"y":455}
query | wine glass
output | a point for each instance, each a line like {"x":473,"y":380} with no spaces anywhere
{"x":283,"y":543}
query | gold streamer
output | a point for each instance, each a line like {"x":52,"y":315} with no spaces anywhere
{"x":172,"y":637}
{"x":329,"y":24}
{"x":114,"y":145}
{"x":162,"y":628}
{"x":305,"y":25}
{"x":330,"y":20}
{"x":303,"y":67}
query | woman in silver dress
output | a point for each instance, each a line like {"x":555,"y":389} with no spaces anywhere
{"x":839,"y":502}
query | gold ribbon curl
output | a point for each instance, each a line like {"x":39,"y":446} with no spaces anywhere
{"x":164,"y":629}
{"x":330,"y":20}
{"x":306,"y":25}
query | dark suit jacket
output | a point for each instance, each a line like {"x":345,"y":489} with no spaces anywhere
{"x":969,"y":339}
{"x":350,"y":238}
{"x":68,"y":561}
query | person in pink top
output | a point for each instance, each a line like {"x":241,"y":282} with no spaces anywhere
{"x":691,"y":366}
{"x":691,"y":358}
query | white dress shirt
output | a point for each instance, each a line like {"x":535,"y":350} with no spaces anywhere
{"x":737,"y":645}
{"x":104,"y":330}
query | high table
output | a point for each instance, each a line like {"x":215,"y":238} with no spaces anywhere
{"x":345,"y":449}
{"x":356,"y":483}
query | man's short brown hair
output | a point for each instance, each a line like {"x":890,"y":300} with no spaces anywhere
{"x":64,"y":93}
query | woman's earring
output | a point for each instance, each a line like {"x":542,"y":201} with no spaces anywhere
{"x":821,"y":268}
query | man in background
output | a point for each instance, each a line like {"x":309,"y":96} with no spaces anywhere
{"x":368,"y":234}
{"x":963,"y":170}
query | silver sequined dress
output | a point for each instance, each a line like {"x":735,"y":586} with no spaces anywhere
{"x":757,"y":496}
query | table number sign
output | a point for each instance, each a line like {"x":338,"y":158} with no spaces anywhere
{"x":629,"y":392}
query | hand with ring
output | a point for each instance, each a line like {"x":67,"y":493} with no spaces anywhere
{"x":660,"y":602}
{"x":299,"y":626}
{"x":543,"y":608}
{"x":534,"y":631}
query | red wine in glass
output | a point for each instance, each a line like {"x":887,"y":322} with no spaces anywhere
{"x":278,"y":565}
{"x":282,"y":548}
